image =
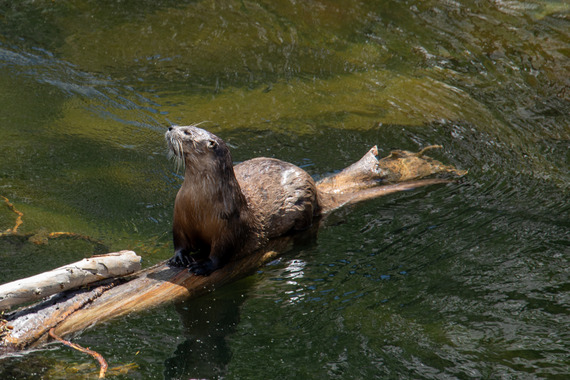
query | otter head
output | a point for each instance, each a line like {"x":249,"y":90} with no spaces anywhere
{"x":198,"y":150}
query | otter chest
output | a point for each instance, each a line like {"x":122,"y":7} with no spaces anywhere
{"x":197,"y":218}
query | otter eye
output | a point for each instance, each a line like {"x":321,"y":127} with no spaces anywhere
{"x":187,"y":133}
{"x":212,"y":144}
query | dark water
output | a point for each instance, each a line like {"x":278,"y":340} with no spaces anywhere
{"x":466,"y":280}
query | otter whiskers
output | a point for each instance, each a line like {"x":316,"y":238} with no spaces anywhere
{"x":176,"y":151}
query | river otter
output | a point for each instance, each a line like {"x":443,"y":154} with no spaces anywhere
{"x":221,"y":210}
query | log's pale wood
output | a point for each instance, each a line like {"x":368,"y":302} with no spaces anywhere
{"x":69,"y":276}
{"x":76,"y":310}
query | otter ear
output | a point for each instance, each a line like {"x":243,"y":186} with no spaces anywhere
{"x":212,"y":144}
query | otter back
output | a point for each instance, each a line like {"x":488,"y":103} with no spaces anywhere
{"x":282,"y":195}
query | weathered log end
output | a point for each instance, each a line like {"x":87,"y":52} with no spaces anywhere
{"x":364,"y":173}
{"x":371,"y":177}
{"x":402,"y":165}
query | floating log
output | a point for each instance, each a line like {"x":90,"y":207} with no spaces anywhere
{"x":73,"y":311}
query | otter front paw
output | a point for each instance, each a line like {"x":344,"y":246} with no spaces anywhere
{"x":202,"y":268}
{"x":180,"y":259}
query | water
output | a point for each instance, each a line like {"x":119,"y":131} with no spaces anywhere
{"x":466,"y":280}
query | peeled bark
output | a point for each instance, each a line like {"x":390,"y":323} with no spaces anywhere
{"x":69,"y":276}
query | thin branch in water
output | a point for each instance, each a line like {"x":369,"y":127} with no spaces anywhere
{"x":42,"y":236}
{"x":102,"y":362}
{"x":430,"y":147}
{"x":19,"y":221}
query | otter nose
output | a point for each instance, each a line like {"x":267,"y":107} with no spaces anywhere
{"x":170,"y":128}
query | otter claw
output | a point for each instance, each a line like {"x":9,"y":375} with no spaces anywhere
{"x":180,"y":260}
{"x":203,"y":268}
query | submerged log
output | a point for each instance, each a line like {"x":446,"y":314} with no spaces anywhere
{"x":73,"y":311}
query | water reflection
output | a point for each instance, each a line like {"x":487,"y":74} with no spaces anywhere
{"x":205,"y":353}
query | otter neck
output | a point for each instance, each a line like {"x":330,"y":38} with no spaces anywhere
{"x":222,"y":188}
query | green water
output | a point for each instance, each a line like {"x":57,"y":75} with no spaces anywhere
{"x":466,"y":280}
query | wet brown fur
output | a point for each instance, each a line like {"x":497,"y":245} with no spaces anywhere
{"x":221,"y":210}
